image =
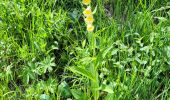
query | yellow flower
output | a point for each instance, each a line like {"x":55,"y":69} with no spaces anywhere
{"x":87,"y":11}
{"x":90,"y":27}
{"x":89,"y":19}
{"x":86,"y":2}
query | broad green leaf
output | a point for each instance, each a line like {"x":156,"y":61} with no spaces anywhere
{"x":76,"y":93}
{"x":44,"y":97}
{"x":109,"y":96}
{"x":64,"y":89}
{"x":83,"y":72}
{"x":114,"y":51}
{"x":79,"y":95}
{"x":107,"y":88}
{"x":87,"y":60}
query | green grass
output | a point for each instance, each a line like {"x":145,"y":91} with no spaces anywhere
{"x":47,"y":54}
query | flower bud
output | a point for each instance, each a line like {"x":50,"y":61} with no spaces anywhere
{"x":86,"y":2}
{"x":90,"y":27}
{"x":89,"y":19}
{"x":87,"y":12}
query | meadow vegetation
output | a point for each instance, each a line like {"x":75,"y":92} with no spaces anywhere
{"x":47,"y":53}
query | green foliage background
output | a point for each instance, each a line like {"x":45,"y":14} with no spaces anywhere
{"x":46,"y":52}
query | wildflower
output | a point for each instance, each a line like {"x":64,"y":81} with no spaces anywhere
{"x":87,"y":12}
{"x":89,"y":19}
{"x":88,"y":16}
{"x":90,"y":27}
{"x":86,"y":2}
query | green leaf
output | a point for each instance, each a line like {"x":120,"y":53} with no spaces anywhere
{"x":162,"y":19}
{"x":46,"y":64}
{"x":83,"y":72}
{"x":114,"y":51}
{"x":152,"y":36}
{"x":107,"y":88}
{"x":95,"y":10}
{"x":110,"y":96}
{"x":83,"y":43}
{"x":76,"y":93}
{"x":44,"y":97}
{"x":106,"y":51}
{"x":64,"y":89}
{"x":146,"y":49}
{"x":87,"y":60}
{"x":79,"y":95}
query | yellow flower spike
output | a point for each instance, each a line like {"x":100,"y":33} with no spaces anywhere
{"x":90,"y":27}
{"x":89,"y":19}
{"x":86,"y":2}
{"x":87,"y":11}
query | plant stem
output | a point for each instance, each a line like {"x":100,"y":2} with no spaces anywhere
{"x":93,"y":67}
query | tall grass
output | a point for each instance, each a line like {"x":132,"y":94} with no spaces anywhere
{"x":46,"y":52}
